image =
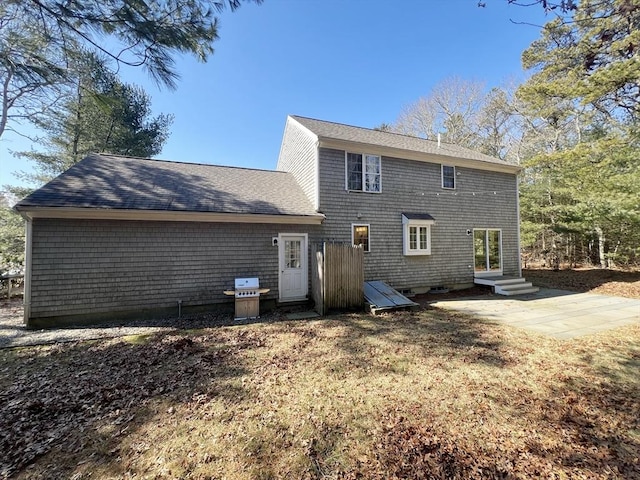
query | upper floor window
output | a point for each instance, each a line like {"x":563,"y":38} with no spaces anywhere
{"x":363,"y":172}
{"x":448,"y":176}
{"x":360,"y":235}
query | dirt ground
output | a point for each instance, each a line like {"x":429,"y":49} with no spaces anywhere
{"x":418,"y":394}
{"x":619,"y":283}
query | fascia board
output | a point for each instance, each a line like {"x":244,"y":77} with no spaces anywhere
{"x":161,"y":215}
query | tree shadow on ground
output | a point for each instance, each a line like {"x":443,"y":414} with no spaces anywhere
{"x":583,"y":421}
{"x":434,"y":332}
{"x":90,"y":391}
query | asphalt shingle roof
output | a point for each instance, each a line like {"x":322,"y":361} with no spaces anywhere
{"x":339,"y":131}
{"x":118,"y":182}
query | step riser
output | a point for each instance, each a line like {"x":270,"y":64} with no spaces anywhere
{"x":513,"y":288}
{"x":516,"y":281}
{"x":492,"y":282}
{"x":519,"y":292}
{"x":508,"y":287}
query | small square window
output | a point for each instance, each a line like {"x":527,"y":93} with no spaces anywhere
{"x":360,"y":236}
{"x":448,"y":176}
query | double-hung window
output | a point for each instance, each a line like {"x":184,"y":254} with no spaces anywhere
{"x":448,"y":176}
{"x":363,"y":172}
{"x":417,"y":233}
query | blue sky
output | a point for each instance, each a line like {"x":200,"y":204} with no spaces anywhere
{"x":356,"y":62}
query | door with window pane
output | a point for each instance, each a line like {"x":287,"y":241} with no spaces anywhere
{"x":487,"y":250}
{"x":293,"y":267}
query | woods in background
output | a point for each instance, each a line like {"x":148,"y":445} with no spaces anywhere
{"x":573,"y":126}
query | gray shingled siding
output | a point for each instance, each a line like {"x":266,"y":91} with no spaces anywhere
{"x":298,"y":156}
{"x":90,"y":266}
{"x":411,"y":186}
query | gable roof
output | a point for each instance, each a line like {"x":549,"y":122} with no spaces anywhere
{"x":102,"y":182}
{"x":336,"y":134}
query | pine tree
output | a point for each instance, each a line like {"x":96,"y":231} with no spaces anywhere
{"x":583,"y":106}
{"x":101,"y":114}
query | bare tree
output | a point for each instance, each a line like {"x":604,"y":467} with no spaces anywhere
{"x":451,"y":108}
{"x":464,"y":114}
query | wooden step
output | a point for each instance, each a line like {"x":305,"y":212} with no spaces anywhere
{"x":524,"y":291}
{"x":520,"y":288}
{"x":510,"y":281}
{"x":507,"y":285}
{"x":492,"y":281}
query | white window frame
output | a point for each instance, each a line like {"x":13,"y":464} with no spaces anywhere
{"x":442,"y":167}
{"x":407,"y":224}
{"x":364,"y":171}
{"x":487,"y":272}
{"x":353,"y":229}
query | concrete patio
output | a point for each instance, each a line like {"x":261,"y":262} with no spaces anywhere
{"x":557,"y":313}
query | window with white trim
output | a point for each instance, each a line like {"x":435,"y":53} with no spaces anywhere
{"x":448,"y":176}
{"x":360,"y":235}
{"x":363,"y":172}
{"x":417,"y":234}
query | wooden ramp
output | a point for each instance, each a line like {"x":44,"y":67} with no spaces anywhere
{"x":381,"y":297}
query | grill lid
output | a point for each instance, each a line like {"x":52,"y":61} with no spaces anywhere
{"x":246,"y":283}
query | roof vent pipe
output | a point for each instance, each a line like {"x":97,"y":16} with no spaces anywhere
{"x":438,"y":140}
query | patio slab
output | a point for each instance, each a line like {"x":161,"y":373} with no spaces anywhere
{"x":557,"y":313}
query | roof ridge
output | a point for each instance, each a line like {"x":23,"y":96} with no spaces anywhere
{"x":375,"y":130}
{"x":437,"y":145}
{"x":182,"y":162}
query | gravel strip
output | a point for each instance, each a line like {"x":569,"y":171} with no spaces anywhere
{"x":14,"y":334}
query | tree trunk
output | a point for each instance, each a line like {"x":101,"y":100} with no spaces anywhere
{"x":77,"y":125}
{"x":601,"y":240}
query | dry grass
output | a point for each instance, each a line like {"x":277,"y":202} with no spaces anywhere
{"x":413,"y":395}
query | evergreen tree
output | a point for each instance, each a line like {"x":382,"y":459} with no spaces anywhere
{"x":101,"y":114}
{"x":39,"y":40}
{"x":11,"y":234}
{"x":580,"y":189}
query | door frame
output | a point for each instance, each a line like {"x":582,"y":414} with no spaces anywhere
{"x":486,"y":273}
{"x":304,"y":259}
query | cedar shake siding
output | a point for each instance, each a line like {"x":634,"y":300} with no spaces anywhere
{"x":116,"y":237}
{"x":298,"y":156}
{"x":485,"y":197}
{"x":97,"y":269}
{"x":413,"y":186}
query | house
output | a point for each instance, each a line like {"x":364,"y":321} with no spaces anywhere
{"x":427,"y":214}
{"x":117,"y":237}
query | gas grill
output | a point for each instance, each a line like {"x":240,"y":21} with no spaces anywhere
{"x":247,"y":294}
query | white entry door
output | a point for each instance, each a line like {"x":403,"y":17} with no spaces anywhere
{"x":294,"y":279}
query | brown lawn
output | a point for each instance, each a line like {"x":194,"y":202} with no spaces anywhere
{"x":427,"y":394}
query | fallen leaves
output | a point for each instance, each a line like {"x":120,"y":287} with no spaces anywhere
{"x":105,"y":383}
{"x":410,"y":395}
{"x":619,"y":283}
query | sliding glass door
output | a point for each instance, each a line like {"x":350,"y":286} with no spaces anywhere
{"x":487,"y":250}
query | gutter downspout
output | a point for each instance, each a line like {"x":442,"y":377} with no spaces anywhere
{"x":317,"y":174}
{"x":26,"y":299}
{"x":518,"y":223}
